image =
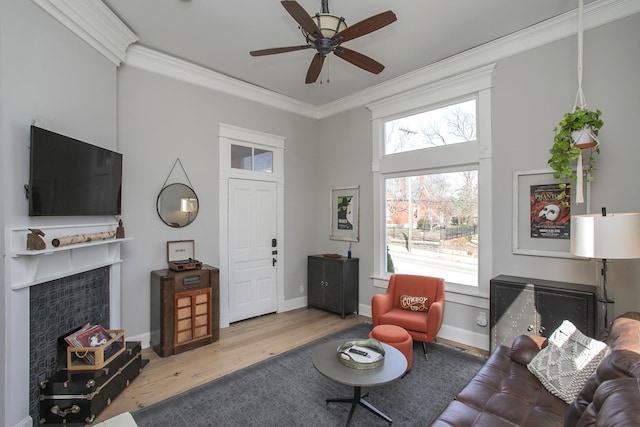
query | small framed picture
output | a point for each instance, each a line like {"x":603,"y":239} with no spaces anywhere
{"x":344,"y":207}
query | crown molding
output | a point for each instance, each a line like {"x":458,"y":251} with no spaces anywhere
{"x":94,"y":23}
{"x":597,"y":13}
{"x":169,"y":66}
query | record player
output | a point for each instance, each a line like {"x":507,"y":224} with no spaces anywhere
{"x":181,"y":256}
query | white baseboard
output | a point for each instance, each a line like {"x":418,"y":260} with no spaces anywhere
{"x":292,"y":304}
{"x":288,"y":305}
{"x":145,"y":339}
{"x":27,"y":422}
{"x":450,"y":333}
{"x":465,"y":337}
{"x":365,"y":310}
{"x":121,"y":420}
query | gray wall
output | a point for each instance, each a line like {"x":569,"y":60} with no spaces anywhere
{"x":531,"y":92}
{"x":346,"y":155}
{"x":50,"y":76}
{"x":161,"y":119}
{"x":47,"y":74}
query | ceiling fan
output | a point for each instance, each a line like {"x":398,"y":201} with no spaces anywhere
{"x":326,"y":33}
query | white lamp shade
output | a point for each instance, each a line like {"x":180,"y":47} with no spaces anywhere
{"x":614,"y":236}
{"x":188,"y":204}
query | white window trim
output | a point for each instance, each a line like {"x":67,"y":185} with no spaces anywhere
{"x":476,"y":83}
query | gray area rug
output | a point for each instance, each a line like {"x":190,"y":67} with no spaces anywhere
{"x":286,"y":390}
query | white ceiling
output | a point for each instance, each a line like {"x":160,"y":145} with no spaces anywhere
{"x":218,"y":35}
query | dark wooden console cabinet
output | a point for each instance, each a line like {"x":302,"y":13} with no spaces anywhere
{"x":520,"y":305}
{"x":333,"y":284}
{"x":185,"y":309}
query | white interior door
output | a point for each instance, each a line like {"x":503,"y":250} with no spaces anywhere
{"x":252,"y":243}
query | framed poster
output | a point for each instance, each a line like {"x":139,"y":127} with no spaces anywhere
{"x":344,"y":208}
{"x":541,"y":225}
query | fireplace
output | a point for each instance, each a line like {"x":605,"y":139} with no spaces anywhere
{"x":30,"y":274}
{"x":56,"y":308}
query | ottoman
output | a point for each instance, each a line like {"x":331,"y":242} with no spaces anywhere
{"x":396,"y":337}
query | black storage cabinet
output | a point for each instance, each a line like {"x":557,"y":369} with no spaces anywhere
{"x":521,"y":305}
{"x":333,"y":284}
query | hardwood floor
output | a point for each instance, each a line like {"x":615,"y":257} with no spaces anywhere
{"x":240,"y":345}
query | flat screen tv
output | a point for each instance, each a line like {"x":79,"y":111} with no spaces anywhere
{"x":72,"y":178}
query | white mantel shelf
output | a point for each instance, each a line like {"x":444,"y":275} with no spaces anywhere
{"x":50,"y":251}
{"x":32,"y":267}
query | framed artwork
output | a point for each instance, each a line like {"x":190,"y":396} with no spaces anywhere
{"x":344,"y":207}
{"x":541,"y":225}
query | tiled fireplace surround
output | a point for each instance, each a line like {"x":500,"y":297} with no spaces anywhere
{"x":56,"y":308}
{"x":58,"y":289}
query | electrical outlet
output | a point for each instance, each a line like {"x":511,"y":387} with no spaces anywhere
{"x":301,"y":289}
{"x":481,"y":320}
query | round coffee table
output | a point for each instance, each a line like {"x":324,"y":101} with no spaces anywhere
{"x":325,"y":360}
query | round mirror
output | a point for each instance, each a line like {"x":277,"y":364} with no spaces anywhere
{"x":177,"y":205}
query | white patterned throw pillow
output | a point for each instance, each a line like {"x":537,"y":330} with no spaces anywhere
{"x":570,"y":358}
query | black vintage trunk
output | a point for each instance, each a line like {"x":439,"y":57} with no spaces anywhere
{"x":77,"y":397}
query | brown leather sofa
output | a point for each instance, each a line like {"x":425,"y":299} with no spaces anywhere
{"x":505,"y":393}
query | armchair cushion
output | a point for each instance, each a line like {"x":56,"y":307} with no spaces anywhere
{"x":405,"y":319}
{"x":408,"y":302}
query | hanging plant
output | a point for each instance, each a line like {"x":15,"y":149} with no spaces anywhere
{"x":577,"y":131}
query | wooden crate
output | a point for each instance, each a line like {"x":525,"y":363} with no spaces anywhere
{"x":103,"y":355}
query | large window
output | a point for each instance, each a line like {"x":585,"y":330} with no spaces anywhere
{"x":432,"y":223}
{"x":432,"y":218}
{"x":431,"y":159}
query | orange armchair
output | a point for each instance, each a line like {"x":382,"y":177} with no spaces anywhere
{"x":423,"y":326}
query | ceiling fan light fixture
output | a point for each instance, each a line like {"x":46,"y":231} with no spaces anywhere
{"x":329,"y":26}
{"x":326,"y":32}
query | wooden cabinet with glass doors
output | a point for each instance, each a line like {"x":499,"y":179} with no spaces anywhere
{"x":185,"y":309}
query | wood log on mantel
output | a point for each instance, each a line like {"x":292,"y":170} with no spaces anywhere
{"x":82,"y":238}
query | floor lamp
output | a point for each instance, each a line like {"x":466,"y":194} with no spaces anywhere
{"x":612,"y":236}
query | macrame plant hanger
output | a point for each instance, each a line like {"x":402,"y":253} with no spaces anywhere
{"x":183,"y":171}
{"x":582,"y":103}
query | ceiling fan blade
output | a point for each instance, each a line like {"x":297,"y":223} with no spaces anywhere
{"x":301,"y":16}
{"x":366,"y":26}
{"x":314,"y":68}
{"x":359,"y":60}
{"x":275,"y":50}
